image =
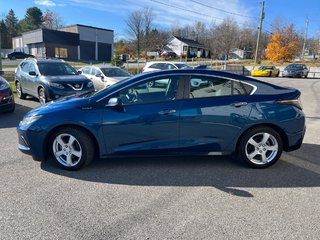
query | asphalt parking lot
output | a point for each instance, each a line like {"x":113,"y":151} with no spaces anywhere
{"x":163,"y":198}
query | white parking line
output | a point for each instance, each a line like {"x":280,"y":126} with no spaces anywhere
{"x":302,"y":163}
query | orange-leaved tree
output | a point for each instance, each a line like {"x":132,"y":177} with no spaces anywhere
{"x":284,"y":45}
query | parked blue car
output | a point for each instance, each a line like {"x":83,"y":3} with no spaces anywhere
{"x":225,"y":114}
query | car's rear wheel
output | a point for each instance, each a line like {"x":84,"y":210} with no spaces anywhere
{"x":42,"y":96}
{"x":72,"y":148}
{"x":278,"y":74}
{"x":20,"y":93}
{"x":260,"y":147}
{"x":270,"y":74}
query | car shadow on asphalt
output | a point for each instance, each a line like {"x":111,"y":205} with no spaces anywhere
{"x":223,"y":173}
{"x":9,"y":120}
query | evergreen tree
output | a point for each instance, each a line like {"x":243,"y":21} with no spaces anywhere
{"x":4,"y":32}
{"x":33,"y":20}
{"x":11,"y":23}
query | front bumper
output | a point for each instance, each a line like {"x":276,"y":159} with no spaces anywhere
{"x":7,"y":102}
{"x":29,"y":142}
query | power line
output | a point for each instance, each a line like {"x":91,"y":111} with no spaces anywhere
{"x":187,"y":10}
{"x":222,"y":10}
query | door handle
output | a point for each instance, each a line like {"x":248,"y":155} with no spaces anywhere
{"x":239,"y":104}
{"x":167,"y":112}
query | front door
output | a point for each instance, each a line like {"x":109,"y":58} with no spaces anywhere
{"x":148,"y":120}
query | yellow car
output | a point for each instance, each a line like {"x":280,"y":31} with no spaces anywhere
{"x":266,"y":71}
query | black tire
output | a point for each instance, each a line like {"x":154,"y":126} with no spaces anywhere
{"x":42,"y":96}
{"x":20,"y":93}
{"x":270,"y":74}
{"x":245,"y":149}
{"x":83,"y":143}
{"x":278,"y":74}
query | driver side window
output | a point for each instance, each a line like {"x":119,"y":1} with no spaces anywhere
{"x":151,"y":91}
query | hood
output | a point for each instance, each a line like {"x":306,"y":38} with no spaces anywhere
{"x":66,"y":79}
{"x":62,"y":104}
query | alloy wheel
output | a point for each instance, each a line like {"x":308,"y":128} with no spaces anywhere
{"x":67,"y":150}
{"x":262,"y":148}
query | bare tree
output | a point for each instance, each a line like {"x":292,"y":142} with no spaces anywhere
{"x":225,"y":36}
{"x":52,"y":20}
{"x":135,"y":24}
{"x":148,"y":18}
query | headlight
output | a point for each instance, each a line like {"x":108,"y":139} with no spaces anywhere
{"x":30,"y":119}
{"x":4,"y":85}
{"x":90,"y":84}
{"x":56,"y":85}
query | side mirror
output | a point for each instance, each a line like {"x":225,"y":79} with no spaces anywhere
{"x":32,"y":73}
{"x":1,"y":72}
{"x":114,"y":102}
{"x":79,"y":71}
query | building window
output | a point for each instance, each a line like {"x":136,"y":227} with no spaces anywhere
{"x":185,"y":49}
{"x":61,"y":52}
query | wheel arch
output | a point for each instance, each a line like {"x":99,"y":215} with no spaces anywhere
{"x":47,"y":146}
{"x":278,"y":129}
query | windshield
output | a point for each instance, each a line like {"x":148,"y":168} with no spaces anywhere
{"x":56,"y":69}
{"x":264,"y":67}
{"x":181,"y":65}
{"x":114,"y":72}
{"x":294,"y":66}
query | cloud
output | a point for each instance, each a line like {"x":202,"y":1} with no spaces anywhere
{"x":47,"y":3}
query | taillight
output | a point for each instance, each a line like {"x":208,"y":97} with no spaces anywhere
{"x":294,"y":102}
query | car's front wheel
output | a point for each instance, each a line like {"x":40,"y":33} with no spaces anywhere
{"x":20,"y":93}
{"x":72,"y":148}
{"x":42,"y":96}
{"x":260,"y":147}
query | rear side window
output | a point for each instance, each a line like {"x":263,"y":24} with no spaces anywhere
{"x":203,"y":87}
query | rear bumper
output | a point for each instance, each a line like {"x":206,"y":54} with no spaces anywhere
{"x":295,"y":140}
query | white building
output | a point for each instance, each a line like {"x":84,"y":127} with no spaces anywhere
{"x":181,"y":46}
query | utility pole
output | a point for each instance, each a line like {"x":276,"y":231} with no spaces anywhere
{"x":305,"y":38}
{"x":256,"y":58}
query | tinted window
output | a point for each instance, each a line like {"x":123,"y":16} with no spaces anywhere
{"x":114,"y":72}
{"x":56,"y":69}
{"x":157,"y":90}
{"x":32,"y":67}
{"x":25,"y":66}
{"x":95,"y":71}
{"x":202,"y":87}
{"x":181,"y":65}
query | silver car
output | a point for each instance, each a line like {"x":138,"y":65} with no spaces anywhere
{"x":104,"y":76}
{"x":295,"y":70}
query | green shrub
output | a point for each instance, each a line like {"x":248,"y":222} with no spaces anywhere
{"x":116,"y":61}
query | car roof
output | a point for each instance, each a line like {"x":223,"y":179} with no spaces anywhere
{"x":45,"y":60}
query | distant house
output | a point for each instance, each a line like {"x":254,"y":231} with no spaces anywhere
{"x":181,"y":46}
{"x":240,"y":54}
{"x":76,"y":42}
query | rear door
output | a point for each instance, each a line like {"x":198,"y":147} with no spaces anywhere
{"x":148,"y":121}
{"x":212,"y":114}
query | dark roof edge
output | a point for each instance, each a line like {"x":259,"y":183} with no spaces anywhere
{"x":81,"y":25}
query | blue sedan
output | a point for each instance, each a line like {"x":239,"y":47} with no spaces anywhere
{"x":225,"y":114}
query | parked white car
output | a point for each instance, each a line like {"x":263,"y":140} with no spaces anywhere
{"x":156,"y":66}
{"x":104,"y":76}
